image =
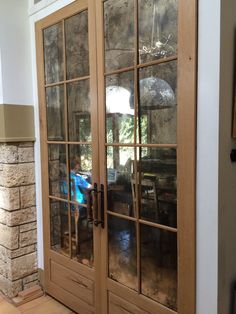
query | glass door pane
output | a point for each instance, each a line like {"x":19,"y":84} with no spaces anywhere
{"x":157,"y":29}
{"x":119,"y":34}
{"x":80,"y":160}
{"x":140,"y":66}
{"x":70,"y":147}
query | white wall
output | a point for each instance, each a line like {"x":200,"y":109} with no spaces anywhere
{"x":207,"y":155}
{"x":227,"y":170}
{"x":16,"y":85}
{"x":1,"y":88}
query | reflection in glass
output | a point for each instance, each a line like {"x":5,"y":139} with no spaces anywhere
{"x":55,"y":112}
{"x":122,"y":252}
{"x":157,"y":29}
{"x":57,"y":171}
{"x":53,"y":53}
{"x":59,"y":227}
{"x":120,"y":108}
{"x":119,"y":34}
{"x":77,"y":54}
{"x":157,"y":173}
{"x":119,"y":176}
{"x":157,"y":101}
{"x":79,"y":111}
{"x":82,"y":236}
{"x":159,"y":265}
{"x":80,"y":172}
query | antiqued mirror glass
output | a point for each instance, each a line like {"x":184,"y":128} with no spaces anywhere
{"x":59,"y":227}
{"x":77,"y":52}
{"x":81,"y":235}
{"x":157,"y":171}
{"x":158,"y":104}
{"x":79,"y":111}
{"x":159,"y":265}
{"x":119,"y":34}
{"x":120,"y":173}
{"x":122,"y":252}
{"x":58,"y":186}
{"x":55,"y":112}
{"x":120,"y":108}
{"x":157,"y":29}
{"x":53,"y":53}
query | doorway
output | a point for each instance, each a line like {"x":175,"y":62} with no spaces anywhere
{"x":117,"y":110}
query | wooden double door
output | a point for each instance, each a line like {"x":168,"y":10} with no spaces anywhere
{"x":117,"y":110}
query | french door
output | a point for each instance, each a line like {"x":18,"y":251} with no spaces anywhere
{"x":117,"y":110}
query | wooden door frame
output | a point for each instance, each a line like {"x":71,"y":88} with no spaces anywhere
{"x":186,"y":139}
{"x":186,"y":157}
{"x":52,"y":19}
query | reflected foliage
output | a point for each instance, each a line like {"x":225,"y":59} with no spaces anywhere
{"x":119,"y":34}
{"x":77,"y":53}
{"x":53,"y":53}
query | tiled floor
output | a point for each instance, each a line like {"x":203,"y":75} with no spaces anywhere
{"x":42,"y":305}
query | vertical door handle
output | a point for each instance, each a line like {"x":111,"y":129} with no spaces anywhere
{"x":101,"y":221}
{"x":95,"y":204}
{"x":102,"y":206}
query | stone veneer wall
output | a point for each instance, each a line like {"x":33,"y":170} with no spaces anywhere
{"x":18,"y":232}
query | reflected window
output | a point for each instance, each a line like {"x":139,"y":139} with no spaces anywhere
{"x":118,"y":100}
{"x":120,"y":108}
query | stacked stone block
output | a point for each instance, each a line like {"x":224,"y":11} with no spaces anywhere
{"x":18,"y":231}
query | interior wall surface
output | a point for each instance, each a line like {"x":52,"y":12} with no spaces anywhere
{"x":227,"y":169}
{"x":207,"y":155}
{"x":15,"y":64}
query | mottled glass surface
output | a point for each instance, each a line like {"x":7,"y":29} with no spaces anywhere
{"x":79,"y":111}
{"x":57,"y":171}
{"x":120,"y":108}
{"x":159,"y":265}
{"x":77,"y":51}
{"x":157,"y":29}
{"x":158,"y":104}
{"x":122,"y":252}
{"x":82,"y":236}
{"x":53,"y":53}
{"x":80,"y":162}
{"x":59,"y":227}
{"x":119,"y":34}
{"x":158,"y":192}
{"x":55,"y":113}
{"x":119,"y":180}
{"x":80,"y":159}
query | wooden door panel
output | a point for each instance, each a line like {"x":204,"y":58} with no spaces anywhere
{"x":120,"y":306}
{"x":76,"y":284}
{"x":67,"y":98}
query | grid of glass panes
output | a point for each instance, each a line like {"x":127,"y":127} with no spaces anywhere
{"x":140,"y":43}
{"x":68,"y":110}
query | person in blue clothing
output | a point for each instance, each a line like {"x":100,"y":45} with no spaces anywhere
{"x":79,"y":188}
{"x":79,"y":184}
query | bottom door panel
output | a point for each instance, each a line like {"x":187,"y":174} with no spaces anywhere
{"x":120,"y":306}
{"x":74,"y":283}
{"x":69,"y":299}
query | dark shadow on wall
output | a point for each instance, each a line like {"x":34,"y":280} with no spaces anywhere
{"x":233,"y":298}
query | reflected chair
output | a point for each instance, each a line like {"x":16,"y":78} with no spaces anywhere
{"x":149,"y":198}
